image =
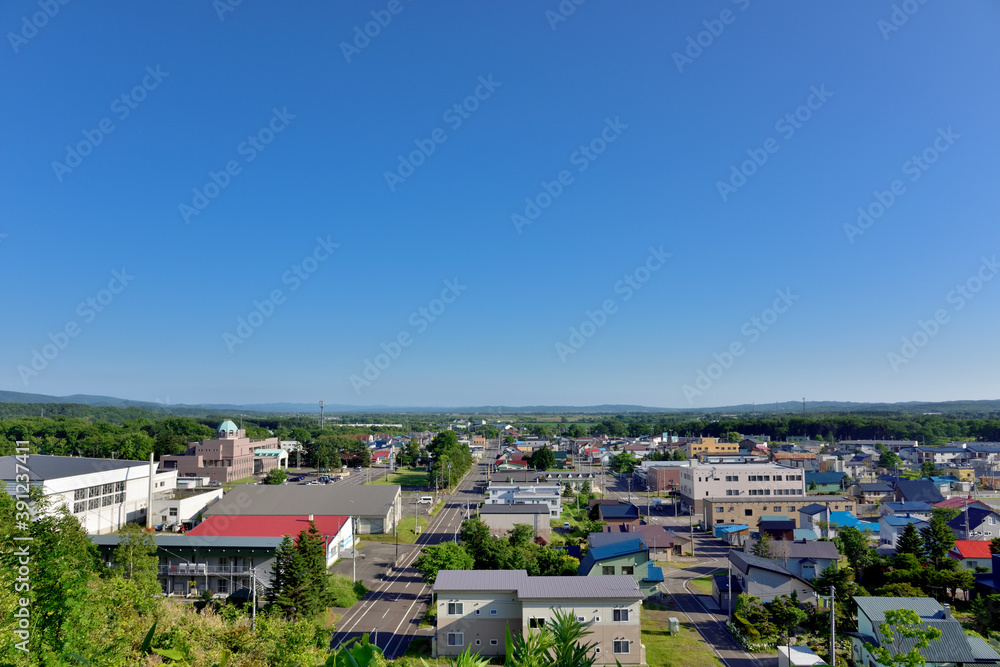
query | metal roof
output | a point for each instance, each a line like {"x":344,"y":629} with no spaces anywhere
{"x":611,"y":550}
{"x":265,"y":526}
{"x":908,"y":506}
{"x":617,"y":586}
{"x":953,"y":645}
{"x":814,"y":508}
{"x":43,"y":467}
{"x":519,"y":508}
{"x":919,"y":489}
{"x":174,"y":541}
{"x":321,"y":499}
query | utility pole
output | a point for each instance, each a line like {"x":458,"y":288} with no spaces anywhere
{"x":253,"y":612}
{"x":833,"y":630}
{"x":354,"y":549}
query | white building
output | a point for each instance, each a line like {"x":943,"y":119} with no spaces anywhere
{"x":701,"y":481}
{"x":104,"y":494}
{"x":518,"y":494}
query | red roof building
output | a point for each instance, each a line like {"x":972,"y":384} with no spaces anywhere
{"x":336,"y":530}
{"x":973,"y":553}
{"x":959,"y":503}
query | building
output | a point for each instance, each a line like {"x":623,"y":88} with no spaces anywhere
{"x":710,"y":446}
{"x":953,"y":647}
{"x":657,"y":476}
{"x":765,"y":578}
{"x":629,"y":557}
{"x":662,"y":543}
{"x":618,"y":513}
{"x":549,"y":495}
{"x":917,"y":489}
{"x":975,"y":523}
{"x":916,"y":508}
{"x":700,"y":481}
{"x":227,"y":457}
{"x":192,"y":565}
{"x":336,"y":530}
{"x":972,"y":554}
{"x":802,"y":460}
{"x":501,"y":519}
{"x":104,"y":494}
{"x":182,"y":507}
{"x":872,"y":492}
{"x":476,"y":607}
{"x":889,"y":528}
{"x":732,"y":510}
{"x":375,"y":508}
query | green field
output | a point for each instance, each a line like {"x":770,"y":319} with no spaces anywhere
{"x":406,"y":533}
{"x":228,"y":486}
{"x":686,"y":649}
{"x":417,"y":477}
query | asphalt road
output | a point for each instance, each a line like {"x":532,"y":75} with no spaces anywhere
{"x":391,"y":611}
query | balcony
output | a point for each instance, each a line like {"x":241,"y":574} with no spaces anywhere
{"x":201,"y":570}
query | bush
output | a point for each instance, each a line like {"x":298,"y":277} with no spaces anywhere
{"x":344,"y":592}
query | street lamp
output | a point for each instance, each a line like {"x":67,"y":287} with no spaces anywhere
{"x":833,"y":625}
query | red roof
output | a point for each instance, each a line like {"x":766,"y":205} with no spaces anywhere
{"x":973,"y":548}
{"x":265,"y":526}
{"x":958,"y":502}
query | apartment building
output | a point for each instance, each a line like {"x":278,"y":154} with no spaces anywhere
{"x":700,"y":482}
{"x":475,"y":608}
{"x":710,"y":446}
{"x":730,"y":510}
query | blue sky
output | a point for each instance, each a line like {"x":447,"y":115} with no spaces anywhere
{"x":652,"y":138}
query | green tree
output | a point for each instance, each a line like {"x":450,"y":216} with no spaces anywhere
{"x":928,"y":469}
{"x":575,"y":431}
{"x":946,"y":513}
{"x":491,"y":433}
{"x":900,"y":626}
{"x":276,"y":476}
{"x":135,"y":559}
{"x":786,"y":614}
{"x":680,"y":454}
{"x":543,"y":459}
{"x":853,"y":545}
{"x":995,"y":545}
{"x":938,"y":540}
{"x":624,"y":462}
{"x":910,"y":542}
{"x":733,"y":436}
{"x":568,"y":649}
{"x":520,"y":535}
{"x":444,"y":556}
{"x":299,"y":583}
{"x":763,"y":546}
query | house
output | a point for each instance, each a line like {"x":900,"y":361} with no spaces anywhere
{"x":336,"y":530}
{"x":777,"y":527}
{"x":889,"y":528}
{"x":548,"y":495}
{"x":104,"y":494}
{"x":815,"y":517}
{"x":476,"y":607}
{"x":766,"y":578}
{"x":501,"y":519}
{"x":798,"y":656}
{"x":662,"y":543}
{"x":802,"y":460}
{"x":958,"y":502}
{"x":953,"y":647}
{"x":840,"y":520}
{"x":227,"y":457}
{"x":182,"y":507}
{"x":630,"y":557}
{"x":735,"y":534}
{"x":917,"y":508}
{"x":972,"y":554}
{"x":710,"y":446}
{"x":917,"y":489}
{"x":625,"y":513}
{"x":872,"y":492}
{"x":375,"y":508}
{"x":804,"y":558}
{"x":659,"y":476}
{"x":976,"y":524}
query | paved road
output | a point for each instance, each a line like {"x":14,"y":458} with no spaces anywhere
{"x":391,"y":611}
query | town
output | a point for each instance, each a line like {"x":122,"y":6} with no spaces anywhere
{"x":501,"y":538}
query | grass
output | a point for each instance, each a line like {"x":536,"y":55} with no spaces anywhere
{"x":703,"y":585}
{"x":406,"y":532}
{"x":436,"y":508}
{"x":343,"y":591}
{"x":418,"y":477}
{"x":430,"y":617}
{"x":686,"y":649}
{"x":228,"y":486}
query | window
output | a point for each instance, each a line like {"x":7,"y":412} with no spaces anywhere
{"x":493,"y":642}
{"x":478,"y":642}
{"x":620,"y":646}
{"x":628,"y":569}
{"x":456,"y":609}
{"x":607,"y":569}
{"x":173,"y":511}
{"x":777,"y":478}
{"x":456,"y":639}
{"x":581,"y":619}
{"x":536,"y":622}
{"x":791,"y":508}
{"x":477,"y":612}
{"x":493,"y":612}
{"x":620,"y":616}
{"x":777,"y":508}
{"x":223,"y":586}
{"x":747,"y":512}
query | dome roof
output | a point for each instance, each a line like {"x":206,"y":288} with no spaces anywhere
{"x":227,"y":426}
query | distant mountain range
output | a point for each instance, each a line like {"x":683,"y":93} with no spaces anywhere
{"x":787,"y":407}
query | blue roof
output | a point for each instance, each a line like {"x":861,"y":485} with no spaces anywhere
{"x":909,"y":506}
{"x":973,"y":515}
{"x":824,"y":477}
{"x":619,"y":511}
{"x":653,"y":573}
{"x":804,"y":534}
{"x":943,"y":479}
{"x":847,"y":519}
{"x":774,"y":517}
{"x":901,"y":520}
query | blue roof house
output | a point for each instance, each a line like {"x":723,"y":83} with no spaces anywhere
{"x":629,"y":557}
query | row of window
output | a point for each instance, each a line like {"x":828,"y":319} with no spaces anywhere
{"x":625,"y":569}
{"x":96,"y":497}
{"x":458,"y":609}
{"x":618,"y":615}
{"x":618,"y":646}
{"x":777,"y":508}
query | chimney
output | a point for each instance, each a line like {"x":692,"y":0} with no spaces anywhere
{"x":310,"y":517}
{"x":947,"y":611}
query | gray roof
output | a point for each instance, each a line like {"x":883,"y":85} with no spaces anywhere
{"x":284,"y":500}
{"x":519,"y":508}
{"x":953,"y":645}
{"x":174,"y":541}
{"x":743,"y":561}
{"x":809,"y":549}
{"x":619,"y":586}
{"x":814,"y":508}
{"x":42,"y":467}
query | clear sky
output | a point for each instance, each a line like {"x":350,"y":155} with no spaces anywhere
{"x":646,"y":202}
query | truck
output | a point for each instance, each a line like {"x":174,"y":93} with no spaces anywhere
{"x":657,"y":503}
